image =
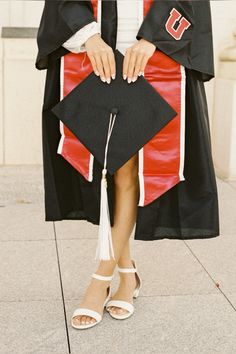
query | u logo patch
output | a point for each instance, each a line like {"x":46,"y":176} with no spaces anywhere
{"x":184,"y":24}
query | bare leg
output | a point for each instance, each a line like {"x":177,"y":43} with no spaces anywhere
{"x":125,"y":209}
{"x":127,"y":281}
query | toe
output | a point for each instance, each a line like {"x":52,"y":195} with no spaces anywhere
{"x":91,"y":320}
{"x":123,"y":311}
{"x":76,"y":320}
{"x":117,"y":310}
{"x":113,"y":310}
{"x":86,"y":319}
{"x":83,"y":320}
{"x":120,"y":311}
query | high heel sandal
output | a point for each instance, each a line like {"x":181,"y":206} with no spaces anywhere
{"x":124,"y":304}
{"x":81,"y":311}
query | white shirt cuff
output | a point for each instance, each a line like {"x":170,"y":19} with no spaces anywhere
{"x":75,"y":43}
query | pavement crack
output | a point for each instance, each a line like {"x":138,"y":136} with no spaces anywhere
{"x":210,"y":276}
{"x":62,"y":291}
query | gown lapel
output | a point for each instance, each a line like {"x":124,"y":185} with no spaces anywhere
{"x":109,"y":22}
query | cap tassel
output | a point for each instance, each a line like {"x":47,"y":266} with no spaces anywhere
{"x":104,"y":249}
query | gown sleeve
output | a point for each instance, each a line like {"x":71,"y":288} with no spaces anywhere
{"x":183,"y":31}
{"x":75,"y":43}
{"x":60,"y":21}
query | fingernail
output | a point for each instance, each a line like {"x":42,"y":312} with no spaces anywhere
{"x":103,"y":79}
{"x":140,"y":73}
{"x":129,"y":80}
{"x":124,"y":77}
{"x":113,"y":76}
{"x":96,"y":73}
{"x":134,"y":78}
{"x":109,"y":81}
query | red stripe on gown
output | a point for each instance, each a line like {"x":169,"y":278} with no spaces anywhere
{"x":161,"y":155}
{"x":76,"y":67}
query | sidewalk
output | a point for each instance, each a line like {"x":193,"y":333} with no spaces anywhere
{"x":45,"y":267}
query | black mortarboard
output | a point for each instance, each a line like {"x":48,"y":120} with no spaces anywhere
{"x":119,"y":115}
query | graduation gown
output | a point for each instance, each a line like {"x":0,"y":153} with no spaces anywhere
{"x":174,"y":205}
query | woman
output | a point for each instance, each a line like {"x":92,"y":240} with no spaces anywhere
{"x":172,"y":178}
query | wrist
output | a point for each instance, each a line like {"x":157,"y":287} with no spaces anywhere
{"x":143,"y":40}
{"x":92,"y":37}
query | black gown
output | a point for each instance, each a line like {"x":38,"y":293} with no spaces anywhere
{"x":189,"y":209}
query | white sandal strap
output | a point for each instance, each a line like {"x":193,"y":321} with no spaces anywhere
{"x":102,"y":277}
{"x":123,"y":304}
{"x":87,"y":312}
{"x":127,"y":270}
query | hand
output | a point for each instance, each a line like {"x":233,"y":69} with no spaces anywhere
{"x":102,"y":58}
{"x":136,"y":58}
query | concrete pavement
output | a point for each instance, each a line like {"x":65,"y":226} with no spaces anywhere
{"x":45,"y":267}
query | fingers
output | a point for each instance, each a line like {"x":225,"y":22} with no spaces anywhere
{"x":94,"y":65}
{"x":143,"y":64}
{"x":101,"y":57}
{"x":103,"y":60}
{"x":136,"y":58}
{"x":112,"y":64}
{"x":133,"y":65}
{"x":126,"y":63}
{"x":106,"y":67}
{"x":103,"y":66}
{"x":99,"y":64}
{"x":140,"y":67}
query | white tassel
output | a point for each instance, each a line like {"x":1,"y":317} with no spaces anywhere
{"x":105,"y":247}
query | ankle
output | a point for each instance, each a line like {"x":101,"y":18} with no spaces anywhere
{"x":127,"y":279}
{"x":106,"y":269}
{"x":97,"y":285}
{"x":125,"y":263}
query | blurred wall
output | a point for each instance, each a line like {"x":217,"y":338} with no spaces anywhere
{"x":20,"y":13}
{"x":224,"y":23}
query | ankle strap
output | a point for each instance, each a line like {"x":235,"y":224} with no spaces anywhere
{"x":102,"y":277}
{"x":127,"y":270}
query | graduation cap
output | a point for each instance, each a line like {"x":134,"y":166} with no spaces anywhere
{"x":113,"y":121}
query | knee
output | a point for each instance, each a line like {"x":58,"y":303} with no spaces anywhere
{"x":126,"y":177}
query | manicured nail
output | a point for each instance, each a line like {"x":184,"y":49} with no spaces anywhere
{"x":140,"y":73}
{"x":124,"y":77}
{"x":113,"y":76}
{"x":129,"y":80}
{"x":96,"y":73}
{"x":134,"y":78}
{"x":103,"y":79}
{"x":109,"y":80}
